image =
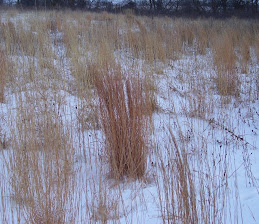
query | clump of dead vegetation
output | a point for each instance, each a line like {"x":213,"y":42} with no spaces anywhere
{"x":109,"y":66}
{"x":123,"y":103}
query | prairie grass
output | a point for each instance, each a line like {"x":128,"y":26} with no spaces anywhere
{"x":202,"y":37}
{"x":245,"y":54}
{"x":41,"y":165}
{"x":122,"y":112}
{"x":256,"y":45}
{"x":3,"y":74}
{"x":87,"y":95}
{"x":177,"y":193}
{"x":187,"y":194}
{"x":225,"y":62}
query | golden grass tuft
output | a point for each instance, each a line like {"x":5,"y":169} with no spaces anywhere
{"x":180,"y":204}
{"x":10,"y":37}
{"x":54,"y":22}
{"x":225,"y":62}
{"x":257,"y":47}
{"x":3,"y":74}
{"x":41,"y":165}
{"x":122,"y":106}
{"x":245,"y":53}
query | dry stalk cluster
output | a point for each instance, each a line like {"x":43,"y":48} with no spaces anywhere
{"x":123,"y":105}
{"x":41,"y":163}
{"x":77,"y":54}
{"x":3,"y":74}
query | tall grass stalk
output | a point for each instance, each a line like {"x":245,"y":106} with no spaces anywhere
{"x":41,"y":163}
{"x":3,"y":74}
{"x":125,"y":125}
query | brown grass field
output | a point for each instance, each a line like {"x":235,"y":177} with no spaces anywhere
{"x":113,"y":118}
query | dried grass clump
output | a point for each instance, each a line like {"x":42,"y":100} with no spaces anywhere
{"x":186,"y":32}
{"x":3,"y":74}
{"x":228,"y":83}
{"x":189,"y":191}
{"x":146,"y":41}
{"x":225,"y":61}
{"x":202,"y":36}
{"x":257,"y":47}
{"x":245,"y":53}
{"x":123,"y":104}
{"x":223,"y":52}
{"x":41,"y":167}
{"x":10,"y":37}
{"x":28,"y":42}
{"x":177,"y":197}
{"x":54,"y":22}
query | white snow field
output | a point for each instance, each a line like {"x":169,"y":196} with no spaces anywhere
{"x":203,"y":148}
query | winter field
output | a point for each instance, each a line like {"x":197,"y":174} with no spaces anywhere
{"x":126,"y":119}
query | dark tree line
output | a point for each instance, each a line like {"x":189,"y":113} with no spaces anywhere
{"x":173,"y":7}
{"x":203,"y":7}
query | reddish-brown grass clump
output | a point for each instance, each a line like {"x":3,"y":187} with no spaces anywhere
{"x":3,"y":68}
{"x":123,"y":106}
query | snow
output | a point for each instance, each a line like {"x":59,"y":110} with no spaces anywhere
{"x":228,"y":132}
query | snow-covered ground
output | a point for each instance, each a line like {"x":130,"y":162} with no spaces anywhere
{"x":218,"y":134}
